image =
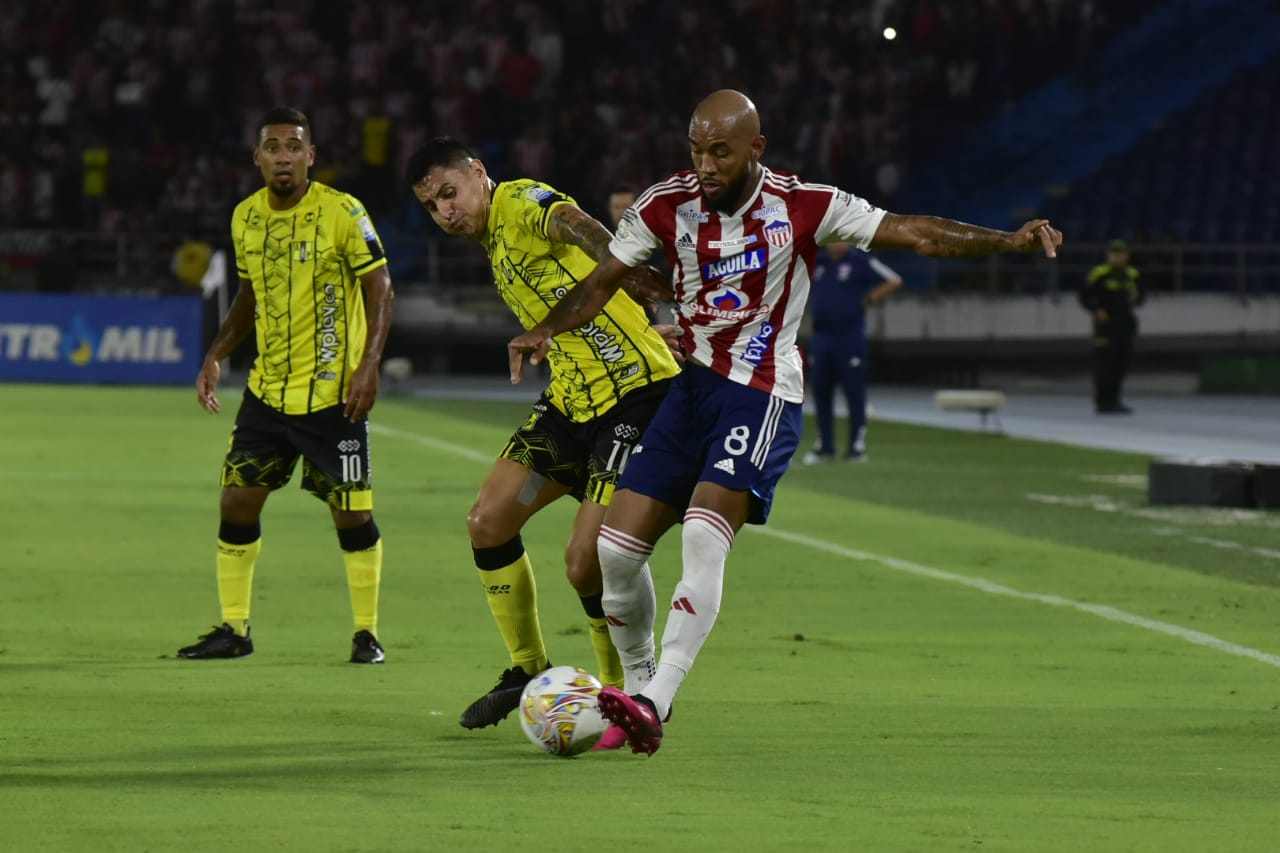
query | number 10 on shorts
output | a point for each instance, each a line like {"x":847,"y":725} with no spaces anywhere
{"x":352,"y":467}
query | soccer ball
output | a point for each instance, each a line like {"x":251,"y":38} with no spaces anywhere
{"x":560,"y":711}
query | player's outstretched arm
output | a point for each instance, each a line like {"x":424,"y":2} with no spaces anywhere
{"x":935,"y":237}
{"x":574,"y":309}
{"x":568,"y":223}
{"x":379,"y":300}
{"x":235,"y":328}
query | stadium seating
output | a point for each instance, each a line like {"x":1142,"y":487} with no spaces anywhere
{"x":1198,"y":176}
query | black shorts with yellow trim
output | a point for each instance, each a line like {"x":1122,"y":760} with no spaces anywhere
{"x":587,"y":457}
{"x":266,"y":444}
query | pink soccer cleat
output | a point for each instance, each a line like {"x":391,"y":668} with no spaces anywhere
{"x":635,"y":716}
{"x":614,"y":737}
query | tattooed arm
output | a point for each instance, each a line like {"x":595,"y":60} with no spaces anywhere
{"x":567,"y":223}
{"x":945,"y":238}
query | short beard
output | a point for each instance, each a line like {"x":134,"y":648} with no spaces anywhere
{"x":731,"y":199}
{"x":282,"y":191}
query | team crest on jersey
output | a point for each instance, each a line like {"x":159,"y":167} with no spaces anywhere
{"x":725,"y":298}
{"x":778,"y":233}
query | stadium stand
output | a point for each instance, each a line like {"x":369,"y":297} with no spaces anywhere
{"x":132,"y":118}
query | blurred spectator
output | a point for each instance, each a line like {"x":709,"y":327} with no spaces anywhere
{"x":59,"y":268}
{"x":619,"y":201}
{"x":113,"y":114}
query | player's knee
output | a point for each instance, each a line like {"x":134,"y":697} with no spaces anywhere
{"x":620,"y":565}
{"x":240,"y":505}
{"x":345,"y":519}
{"x":487,"y":528}
{"x":582,"y":568}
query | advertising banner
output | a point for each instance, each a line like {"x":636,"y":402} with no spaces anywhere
{"x":58,"y":337}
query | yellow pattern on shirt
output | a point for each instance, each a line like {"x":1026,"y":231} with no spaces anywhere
{"x":592,"y":366}
{"x":304,"y":264}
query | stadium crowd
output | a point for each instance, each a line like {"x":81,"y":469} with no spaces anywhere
{"x":137,"y":115}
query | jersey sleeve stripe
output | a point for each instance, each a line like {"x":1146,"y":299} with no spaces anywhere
{"x":679,"y":182}
{"x":379,"y":261}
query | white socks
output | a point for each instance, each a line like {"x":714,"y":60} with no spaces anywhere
{"x":707,"y":539}
{"x":630,"y":604}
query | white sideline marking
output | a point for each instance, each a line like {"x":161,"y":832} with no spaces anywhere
{"x":1111,"y":614}
{"x":1201,"y":515}
{"x":1222,"y":544}
{"x":1198,"y":638}
{"x":1128,"y":481}
{"x":433,"y":443}
{"x":1175,"y":516}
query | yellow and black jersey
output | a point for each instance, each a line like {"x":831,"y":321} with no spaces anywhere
{"x":592,"y":366}
{"x":1115,"y":290}
{"x":304,"y":264}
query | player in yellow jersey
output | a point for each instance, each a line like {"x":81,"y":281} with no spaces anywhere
{"x":606,"y":382}
{"x":314,"y":288}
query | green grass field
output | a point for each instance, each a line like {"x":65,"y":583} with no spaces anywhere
{"x":970,"y":643}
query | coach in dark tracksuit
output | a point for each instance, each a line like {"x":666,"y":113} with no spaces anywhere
{"x":845,"y":283}
{"x":1110,"y":294}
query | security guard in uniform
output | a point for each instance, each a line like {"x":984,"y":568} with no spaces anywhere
{"x":1110,"y":294}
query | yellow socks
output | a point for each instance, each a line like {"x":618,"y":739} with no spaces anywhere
{"x":364,"y":577}
{"x":609,"y":666}
{"x":235,"y":581}
{"x":362,"y":552}
{"x":507,"y":576}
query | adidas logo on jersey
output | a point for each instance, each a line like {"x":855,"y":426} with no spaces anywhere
{"x":686,"y":242}
{"x":725,"y":465}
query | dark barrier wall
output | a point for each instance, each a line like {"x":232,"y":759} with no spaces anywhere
{"x":128,"y":340}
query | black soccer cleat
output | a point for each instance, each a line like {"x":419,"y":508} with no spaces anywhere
{"x":365,"y":648}
{"x":494,"y":706}
{"x":221,"y":642}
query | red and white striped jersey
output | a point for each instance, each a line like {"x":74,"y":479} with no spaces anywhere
{"x":742,"y":278}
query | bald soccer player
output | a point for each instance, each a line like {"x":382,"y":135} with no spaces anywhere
{"x":741,"y":240}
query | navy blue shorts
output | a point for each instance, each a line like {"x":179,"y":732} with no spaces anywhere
{"x":711,"y":429}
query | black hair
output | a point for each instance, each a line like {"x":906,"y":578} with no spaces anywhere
{"x":443,"y":151}
{"x":286,"y":115}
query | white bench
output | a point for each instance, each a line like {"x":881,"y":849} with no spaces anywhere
{"x":986,"y":403}
{"x":397,"y":370}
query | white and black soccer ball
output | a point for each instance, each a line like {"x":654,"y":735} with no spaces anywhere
{"x":560,"y":710}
